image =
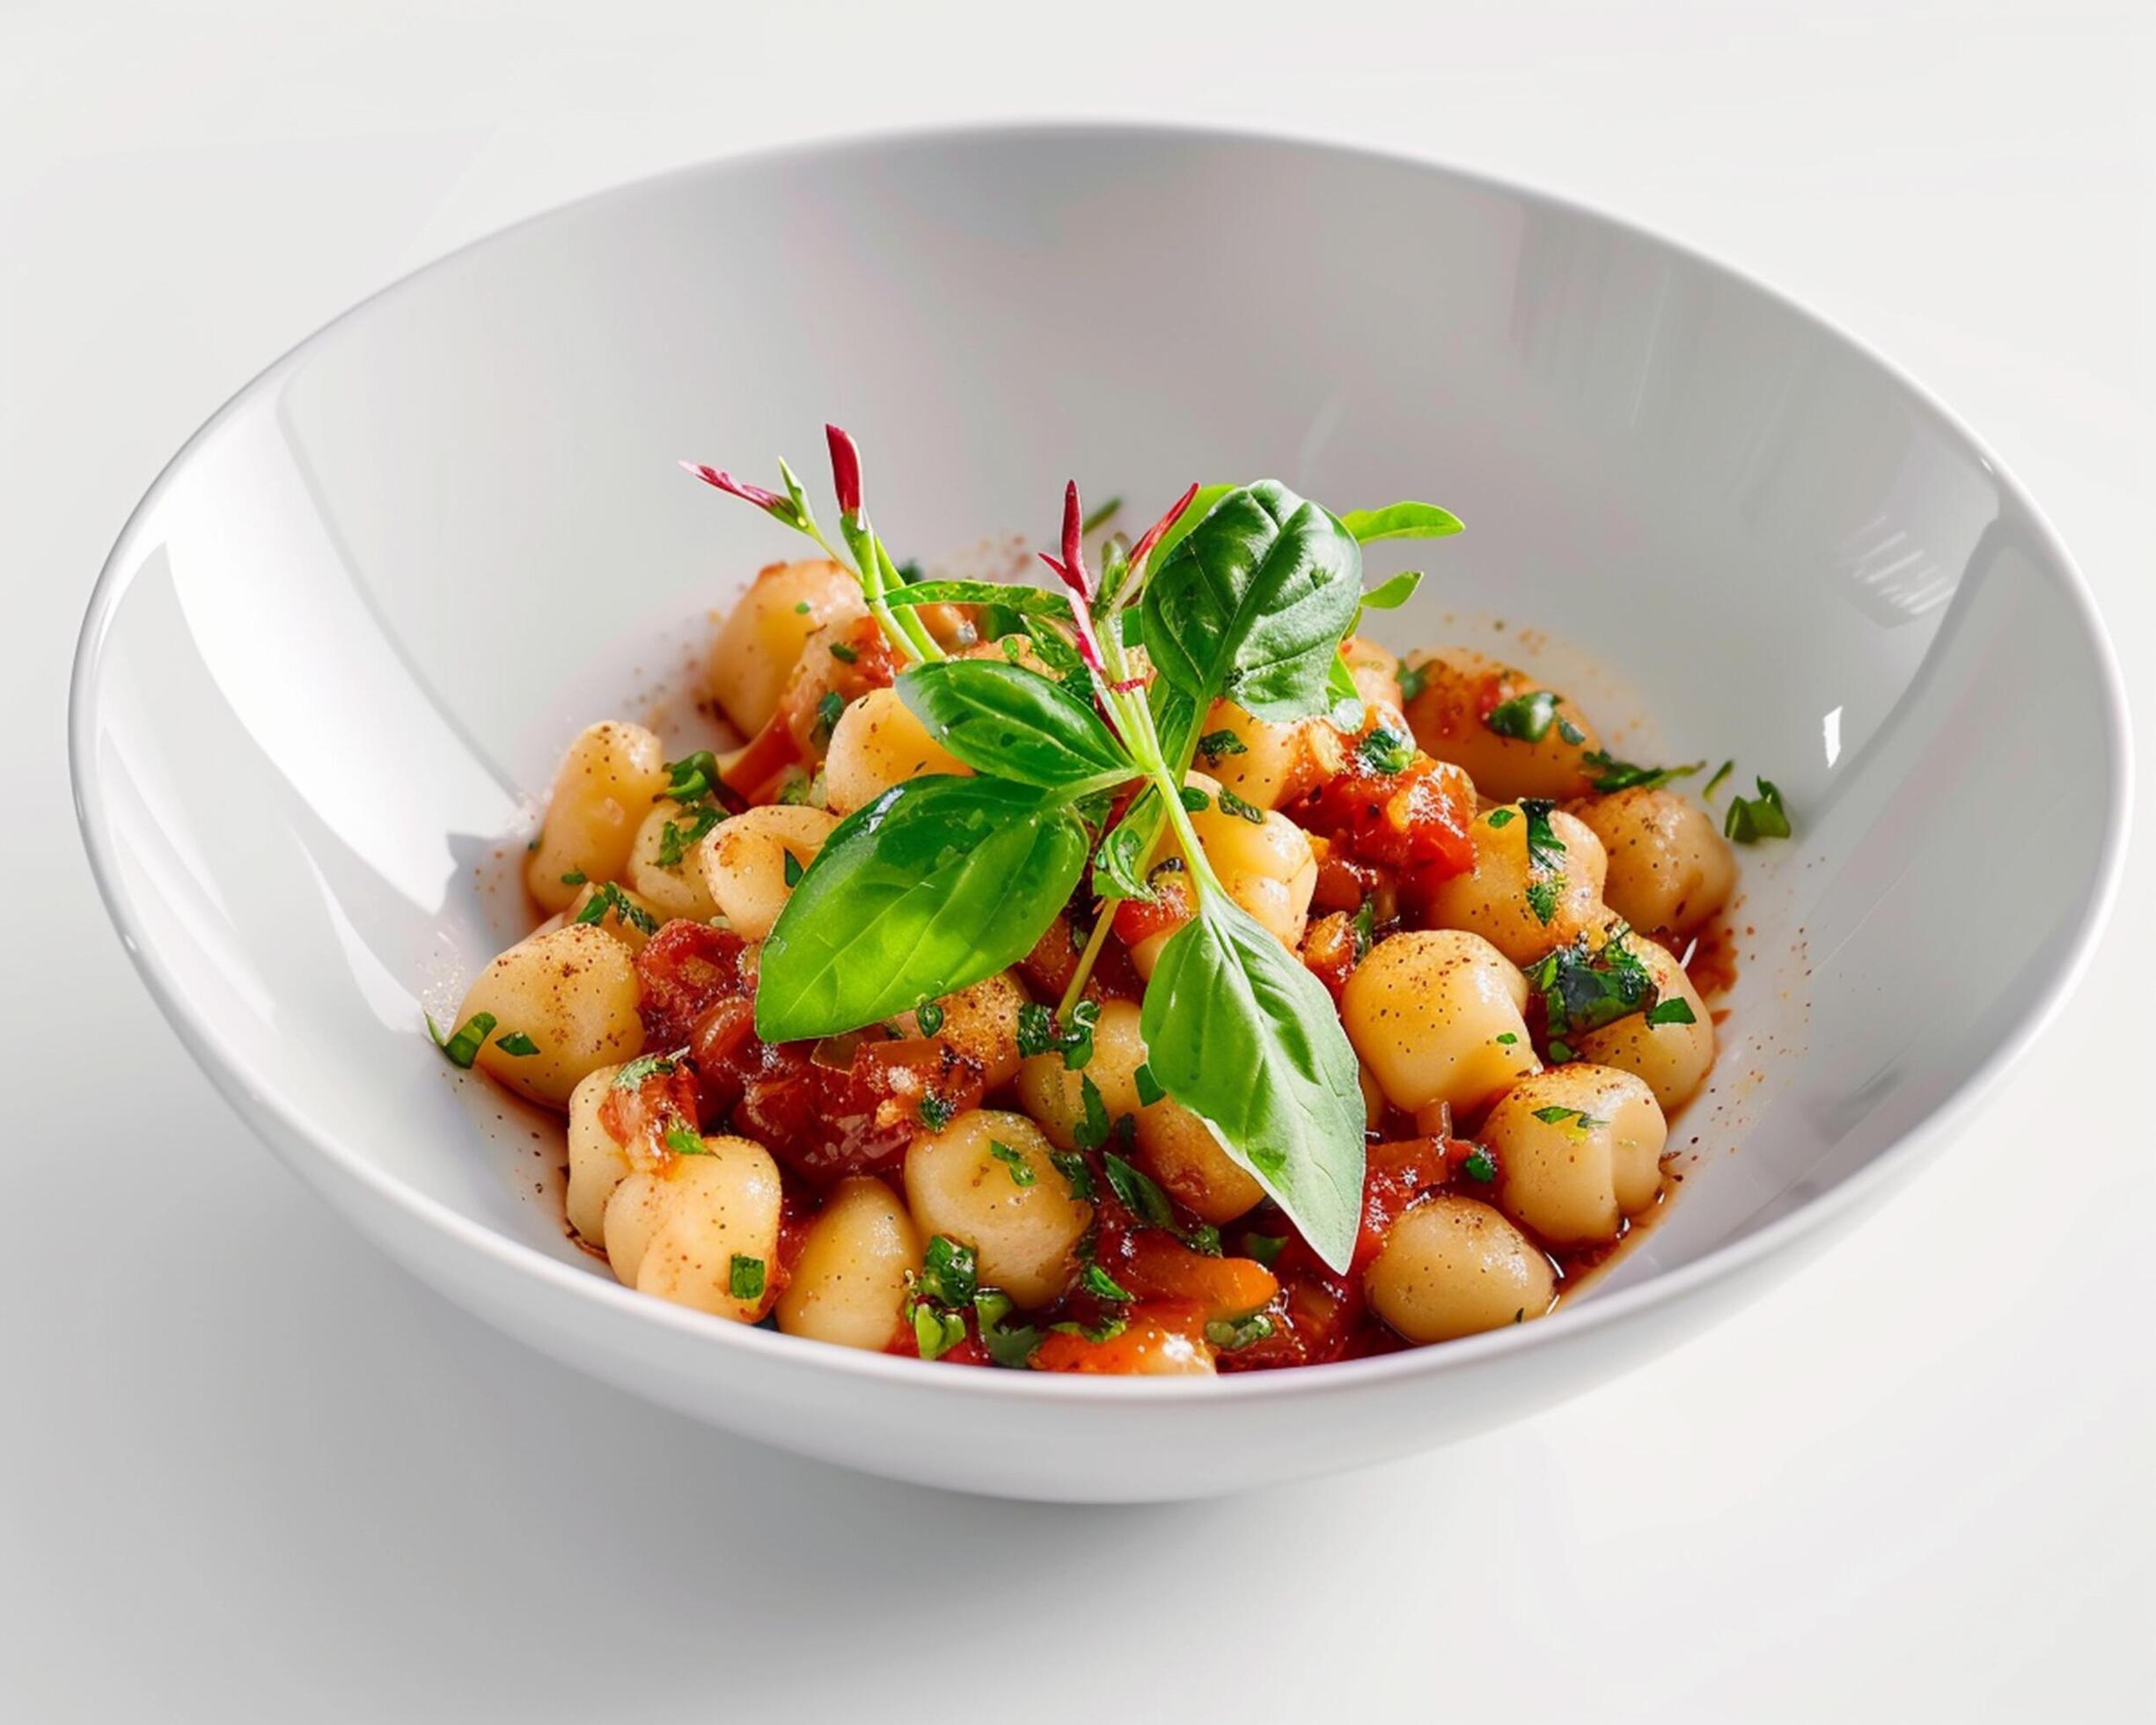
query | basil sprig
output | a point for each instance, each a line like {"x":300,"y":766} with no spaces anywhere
{"x":1242,"y":591}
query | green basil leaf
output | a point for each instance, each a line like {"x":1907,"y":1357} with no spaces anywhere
{"x":1252,"y":604}
{"x":1344,"y":701}
{"x":1004,"y":719}
{"x":1400,"y":521}
{"x":1392,"y":594}
{"x":1239,"y":1033}
{"x":1201,"y":506}
{"x":936,"y":883}
{"x":1026,"y":601}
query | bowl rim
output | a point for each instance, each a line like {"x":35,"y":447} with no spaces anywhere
{"x":198,"y":1033}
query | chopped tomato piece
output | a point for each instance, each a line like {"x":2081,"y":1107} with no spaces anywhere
{"x":686,"y":969}
{"x":1150,"y":1344}
{"x":1156,"y":1266}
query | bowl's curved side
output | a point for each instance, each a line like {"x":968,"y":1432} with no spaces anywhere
{"x":287,"y":764}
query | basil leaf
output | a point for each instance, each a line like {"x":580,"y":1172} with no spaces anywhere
{"x":1016,"y":723}
{"x":936,"y":883}
{"x":1392,"y":594}
{"x":1026,"y":601}
{"x":1252,"y":604}
{"x":1239,"y":1033}
{"x":1400,"y":521}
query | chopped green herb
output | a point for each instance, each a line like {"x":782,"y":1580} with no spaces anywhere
{"x":1039,"y":1032}
{"x":435,"y":1030}
{"x":1013,"y":1347}
{"x":1583,"y":988}
{"x":1092,"y":1132}
{"x":1139,"y":1194}
{"x":1150,"y":1090}
{"x":929,"y":1017}
{"x":1560,"y":1052}
{"x":1480,"y":1167}
{"x":675,"y":837}
{"x":1233,"y":1333}
{"x":1569,"y":732}
{"x":1075,"y":1173}
{"x":1386,"y":751}
{"x":790,"y":866}
{"x":949,"y":1274}
{"x":1099,"y":1333}
{"x":692,"y":776}
{"x":463,"y":1048}
{"x":575,"y":877}
{"x":1413,"y":679}
{"x":1500,"y":819}
{"x":684,"y":1139}
{"x":1507,"y":1038}
{"x":607,"y":898}
{"x":1364,"y":927}
{"x":1232,"y":805}
{"x":1608,"y":774}
{"x":802,"y":609}
{"x":936,"y":1332}
{"x":1706,"y":793}
{"x":1674,"y":1010}
{"x":1752,"y":818}
{"x":1021,"y":1170}
{"x":1098,"y":1281}
{"x":1193,"y":799}
{"x":1553,"y":1116}
{"x":745,"y":1277}
{"x":828,"y":707}
{"x":844,"y":654}
{"x":1525,"y":718}
{"x":1545,"y":859}
{"x":937,"y":1111}
{"x":517,"y":1043}
{"x":1214,"y":744}
{"x":1205,"y":1237}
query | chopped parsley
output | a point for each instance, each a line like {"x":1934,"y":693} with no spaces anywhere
{"x":1526,"y":718}
{"x":1480,"y":1167}
{"x":517,"y":1043}
{"x":1500,"y":819}
{"x":675,"y":837}
{"x":1092,"y":1132}
{"x":1607,"y":773}
{"x":1098,"y":1332}
{"x":844,"y":654}
{"x":1414,"y":679}
{"x":1040,"y":1033}
{"x":1363,"y":926}
{"x":828,"y":706}
{"x":1706,"y":793}
{"x":1752,"y":818}
{"x":1193,"y":799}
{"x":790,"y":866}
{"x":607,"y":898}
{"x":929,"y":1017}
{"x":1554,"y":1116}
{"x":1232,"y":805}
{"x":1545,"y":859}
{"x":1021,"y":1170}
{"x":936,"y":1332}
{"x":1569,"y":732}
{"x":692,"y":776}
{"x":1075,"y":1173}
{"x":802,"y":609}
{"x":1507,"y":1038}
{"x":950,"y":1274}
{"x":1099,"y":1283}
{"x":936,"y":1112}
{"x":684,"y":1139}
{"x":1233,"y":1333}
{"x":1141,"y":1193}
{"x":1214,"y":744}
{"x":745,"y":1277}
{"x":1013,"y":1347}
{"x":1674,"y":1010}
{"x":1386,"y":751}
{"x":463,"y":1047}
{"x":1583,"y":989}
{"x":1266,"y":1247}
{"x":575,"y":877}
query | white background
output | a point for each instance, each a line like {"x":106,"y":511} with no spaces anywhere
{"x":247,"y":1471}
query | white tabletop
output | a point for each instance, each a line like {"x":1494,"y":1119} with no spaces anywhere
{"x":249,"y":1472}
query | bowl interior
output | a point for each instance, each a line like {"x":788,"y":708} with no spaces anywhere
{"x":342,"y":644}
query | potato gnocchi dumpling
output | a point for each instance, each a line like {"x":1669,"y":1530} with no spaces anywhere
{"x":917,"y":1112}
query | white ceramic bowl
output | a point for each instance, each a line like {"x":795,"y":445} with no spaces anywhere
{"x":353,"y":623}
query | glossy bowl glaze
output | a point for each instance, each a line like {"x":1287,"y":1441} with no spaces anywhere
{"x":340,"y":644}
